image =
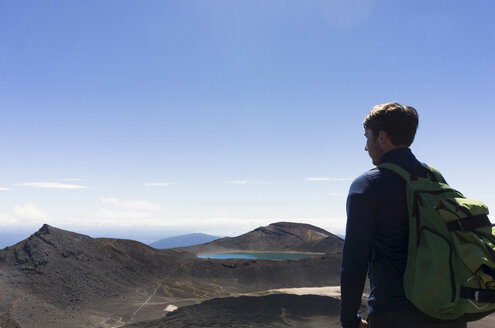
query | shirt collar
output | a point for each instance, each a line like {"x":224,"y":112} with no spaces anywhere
{"x":397,"y":155}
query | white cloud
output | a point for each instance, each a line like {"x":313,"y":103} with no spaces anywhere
{"x":136,"y":205}
{"x":220,"y":226}
{"x":122,"y":216}
{"x":327,"y":179}
{"x":4,"y":189}
{"x":143,"y":214}
{"x":232,"y":226}
{"x":29,"y":211}
{"x":158,"y":184}
{"x":52,"y":185}
{"x":121,"y":213}
{"x":114,"y":213}
{"x":24,"y":215}
{"x":317,"y":179}
{"x":241,"y":182}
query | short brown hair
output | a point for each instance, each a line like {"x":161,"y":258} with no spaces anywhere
{"x":398,"y":121}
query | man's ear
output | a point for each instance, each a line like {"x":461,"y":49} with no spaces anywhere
{"x":383,"y":137}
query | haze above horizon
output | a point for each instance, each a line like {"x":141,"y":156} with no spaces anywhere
{"x":222,"y":116}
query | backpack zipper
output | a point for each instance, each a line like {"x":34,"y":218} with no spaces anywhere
{"x":418,"y":201}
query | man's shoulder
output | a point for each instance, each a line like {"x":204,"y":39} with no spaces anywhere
{"x":366,"y":180}
{"x":369,"y":175}
{"x":374,"y":178}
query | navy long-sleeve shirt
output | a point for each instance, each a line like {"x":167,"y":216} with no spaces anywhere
{"x":376,"y":213}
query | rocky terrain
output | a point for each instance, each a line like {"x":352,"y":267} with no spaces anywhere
{"x":57,"y":278}
{"x":276,"y":310}
{"x":281,"y":236}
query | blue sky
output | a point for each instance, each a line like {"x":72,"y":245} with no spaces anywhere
{"x":221,"y":116}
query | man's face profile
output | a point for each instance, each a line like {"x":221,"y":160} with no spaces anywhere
{"x":373,"y":147}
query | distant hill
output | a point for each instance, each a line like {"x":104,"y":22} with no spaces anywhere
{"x":280,"y":236}
{"x":183,"y":240}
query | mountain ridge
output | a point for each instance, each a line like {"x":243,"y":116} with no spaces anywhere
{"x":57,"y":278}
{"x":279,"y":236}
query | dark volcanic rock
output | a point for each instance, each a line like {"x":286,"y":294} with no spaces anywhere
{"x":277,"y":310}
{"x":6,"y":321}
{"x":57,"y":278}
{"x":69,"y":269}
{"x":56,"y":270}
{"x":281,"y":236}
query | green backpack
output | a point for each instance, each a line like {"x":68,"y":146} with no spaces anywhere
{"x":450,"y":272}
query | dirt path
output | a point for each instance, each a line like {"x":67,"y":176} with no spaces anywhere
{"x":147,"y":301}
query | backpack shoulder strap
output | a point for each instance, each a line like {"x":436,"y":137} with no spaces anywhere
{"x":407,"y":176}
{"x":437,"y":173}
{"x":397,"y":170}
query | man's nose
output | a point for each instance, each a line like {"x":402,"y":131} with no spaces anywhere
{"x":366,"y":148}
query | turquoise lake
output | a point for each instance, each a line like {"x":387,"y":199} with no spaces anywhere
{"x":259,"y":256}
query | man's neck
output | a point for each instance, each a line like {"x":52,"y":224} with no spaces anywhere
{"x":388,"y":153}
{"x":390,"y":147}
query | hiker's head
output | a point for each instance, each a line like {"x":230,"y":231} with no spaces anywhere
{"x":389,"y":126}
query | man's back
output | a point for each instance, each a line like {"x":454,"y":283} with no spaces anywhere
{"x":377,"y":231}
{"x":377,"y":212}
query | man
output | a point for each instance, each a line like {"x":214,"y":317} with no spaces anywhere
{"x":377,"y":214}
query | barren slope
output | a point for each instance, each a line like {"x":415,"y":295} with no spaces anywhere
{"x":57,"y":278}
{"x":281,"y":236}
